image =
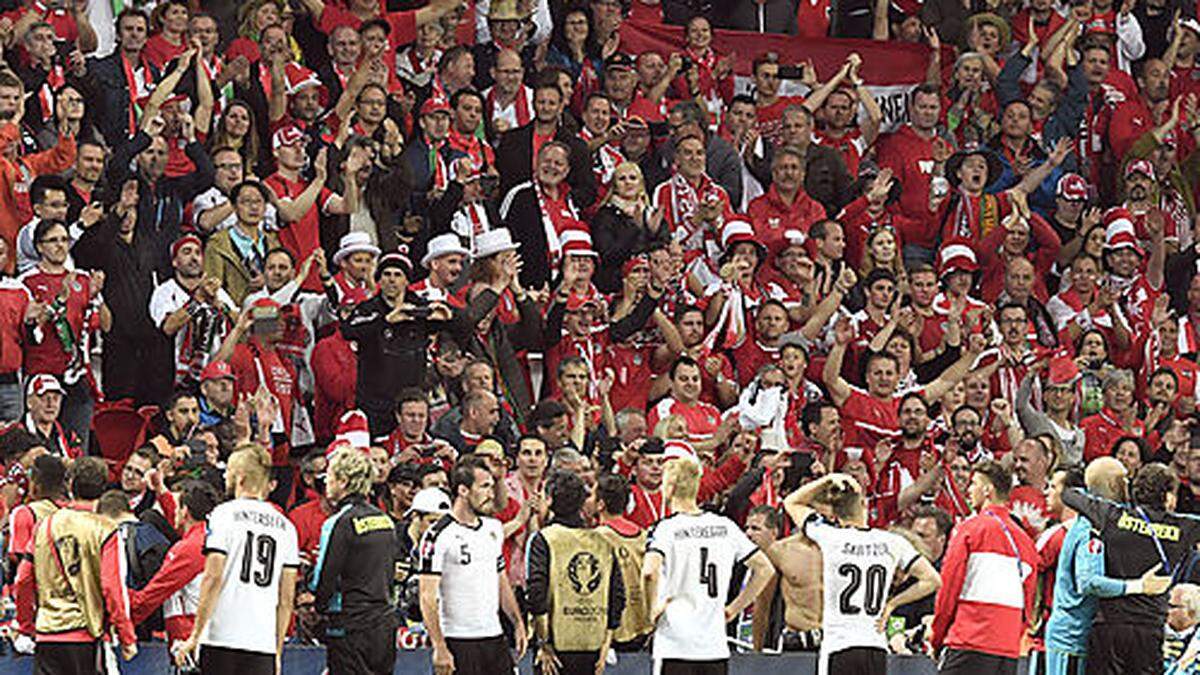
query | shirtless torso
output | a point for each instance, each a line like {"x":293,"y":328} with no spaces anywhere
{"x":798,"y":561}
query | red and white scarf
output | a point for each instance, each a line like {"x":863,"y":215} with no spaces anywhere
{"x":520,"y":110}
{"x":556,"y":217}
{"x":684,"y":198}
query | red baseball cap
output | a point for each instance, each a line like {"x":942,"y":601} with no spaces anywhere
{"x":216,"y":370}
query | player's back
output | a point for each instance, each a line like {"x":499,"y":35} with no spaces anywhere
{"x":859,"y":566}
{"x":699,"y":551}
{"x":258,"y":542}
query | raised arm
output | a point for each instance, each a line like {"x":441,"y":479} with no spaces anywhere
{"x":839,"y":389}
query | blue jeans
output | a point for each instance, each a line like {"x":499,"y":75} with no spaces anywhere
{"x":12,"y":402}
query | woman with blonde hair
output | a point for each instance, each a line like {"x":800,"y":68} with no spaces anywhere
{"x":626,"y":225}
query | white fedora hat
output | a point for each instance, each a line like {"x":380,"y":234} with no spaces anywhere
{"x":493,"y":242}
{"x":443,"y":244}
{"x":354,"y":242}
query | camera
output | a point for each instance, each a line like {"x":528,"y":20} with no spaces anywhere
{"x":420,"y":312}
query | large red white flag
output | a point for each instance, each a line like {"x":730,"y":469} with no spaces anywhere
{"x":890,"y":69}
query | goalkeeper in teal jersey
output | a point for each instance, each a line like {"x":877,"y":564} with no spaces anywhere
{"x":1080,"y":579}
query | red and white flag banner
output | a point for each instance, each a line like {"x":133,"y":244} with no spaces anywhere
{"x":890,"y":69}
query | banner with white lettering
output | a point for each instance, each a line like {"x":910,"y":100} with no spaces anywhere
{"x":891,"y":70}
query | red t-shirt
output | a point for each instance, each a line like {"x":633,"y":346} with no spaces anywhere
{"x":702,"y":418}
{"x":49,"y":355}
{"x":308,"y":519}
{"x":770,"y":118}
{"x":303,"y":236}
{"x":280,"y":378}
{"x":159,"y":51}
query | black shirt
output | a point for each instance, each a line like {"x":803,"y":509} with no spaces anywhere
{"x":1136,"y":539}
{"x":391,"y":356}
{"x":356,"y":566}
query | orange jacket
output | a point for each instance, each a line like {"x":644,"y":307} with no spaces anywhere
{"x":15,"y":177}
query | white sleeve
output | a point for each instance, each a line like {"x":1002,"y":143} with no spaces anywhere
{"x":217,"y":533}
{"x":161,"y":304}
{"x":430,"y":552}
{"x":657,"y":535}
{"x":904,"y":552}
{"x":742,"y":546}
{"x":815,"y":528}
{"x":290,"y":555}
{"x":1129,"y":38}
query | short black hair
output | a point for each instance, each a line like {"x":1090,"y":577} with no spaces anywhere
{"x":199,"y":497}
{"x":545,"y":413}
{"x":88,"y":477}
{"x":410,"y":395}
{"x":567,"y":494}
{"x":1073,"y":476}
{"x":49,"y":476}
{"x":46,"y":183}
{"x":876,"y":275}
{"x":613,"y":490}
{"x":280,"y":250}
{"x":810,"y":415}
{"x":463,"y":93}
{"x":954,"y":415}
{"x":573,"y":360}
{"x":249,"y":183}
{"x":43,"y":228}
{"x":680,"y":362}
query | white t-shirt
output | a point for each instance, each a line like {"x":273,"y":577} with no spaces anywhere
{"x":167,"y":298}
{"x":858,"y":567}
{"x":258,"y":542}
{"x":699,"y":551}
{"x":470,"y":561}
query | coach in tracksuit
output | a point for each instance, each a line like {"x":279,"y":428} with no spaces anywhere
{"x":354,"y":574}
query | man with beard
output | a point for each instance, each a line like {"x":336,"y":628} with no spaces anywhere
{"x":1141,"y":199}
{"x":463,"y":586}
{"x":1058,"y":378}
{"x":898,"y":462}
{"x":966,"y":426}
{"x":786,"y":206}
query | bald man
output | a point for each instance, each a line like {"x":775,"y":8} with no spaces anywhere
{"x":1080,"y":580}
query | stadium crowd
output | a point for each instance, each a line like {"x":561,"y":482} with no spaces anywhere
{"x":476,"y":325}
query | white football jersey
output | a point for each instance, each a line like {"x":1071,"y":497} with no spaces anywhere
{"x":858,"y":568}
{"x":470,"y":561}
{"x":699,"y":552}
{"x":258,"y":542}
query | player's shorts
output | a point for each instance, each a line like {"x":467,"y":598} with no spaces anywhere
{"x":858,"y":661}
{"x":800,"y":640}
{"x":576,"y":663}
{"x":367,"y":650}
{"x":1124,"y":649}
{"x":1060,"y":663}
{"x":225,"y":661}
{"x":681,"y":667}
{"x":966,"y":662}
{"x":67,"y":658}
{"x":480,"y":656}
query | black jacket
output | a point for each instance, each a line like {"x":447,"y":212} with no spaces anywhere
{"x":514,"y":161}
{"x":161,"y":203}
{"x":107,"y":94}
{"x":391,"y":356}
{"x":356,"y":567}
{"x":616,"y":238}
